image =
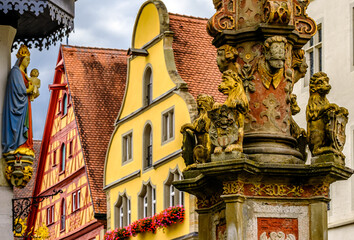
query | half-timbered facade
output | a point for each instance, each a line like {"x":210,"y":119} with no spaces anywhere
{"x":86,"y":94}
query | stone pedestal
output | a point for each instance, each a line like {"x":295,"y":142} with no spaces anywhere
{"x":245,"y":200}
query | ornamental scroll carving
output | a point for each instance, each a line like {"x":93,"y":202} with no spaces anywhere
{"x":277,"y":236}
{"x":277,"y":190}
{"x":224,"y":18}
{"x":278,"y":12}
{"x":303,"y":23}
{"x":233,"y":187}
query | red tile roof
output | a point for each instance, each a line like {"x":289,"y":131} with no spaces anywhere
{"x":195,"y":56}
{"x":28,"y":190}
{"x":96,"y":80}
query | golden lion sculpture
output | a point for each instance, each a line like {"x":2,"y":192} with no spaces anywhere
{"x":325,"y":121}
{"x":227,"y":128}
{"x":196,"y":141}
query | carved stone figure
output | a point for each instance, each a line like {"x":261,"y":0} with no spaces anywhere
{"x":36,"y":82}
{"x":272,"y":67}
{"x":299,"y":64}
{"x":326,"y":121}
{"x":226,"y":58}
{"x":227,"y":119}
{"x":17,"y":142}
{"x":196,"y":141}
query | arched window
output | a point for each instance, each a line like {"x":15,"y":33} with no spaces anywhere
{"x":147,"y":201}
{"x":122,"y":211}
{"x":147,"y":86}
{"x":147,"y":147}
{"x":62,"y":215}
{"x":65,"y":104}
{"x":62,"y":158}
{"x":172,"y":196}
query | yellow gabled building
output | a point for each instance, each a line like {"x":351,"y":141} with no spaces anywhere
{"x":171,"y":62}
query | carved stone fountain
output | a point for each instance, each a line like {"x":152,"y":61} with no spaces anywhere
{"x":246,"y":157}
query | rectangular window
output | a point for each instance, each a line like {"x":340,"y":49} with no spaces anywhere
{"x":121,"y":215}
{"x":55,"y":158}
{"x":127,"y":147}
{"x":71,"y":148}
{"x":129,"y":211}
{"x":168,"y":125}
{"x":76,"y":200}
{"x":50,"y":215}
{"x":181,"y":194}
{"x":314,"y":55}
{"x":153,"y":209}
{"x":172,"y":195}
{"x":145,"y":206}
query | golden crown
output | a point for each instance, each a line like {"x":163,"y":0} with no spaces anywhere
{"x":23,"y":51}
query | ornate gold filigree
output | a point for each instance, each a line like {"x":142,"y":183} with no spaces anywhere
{"x":277,"y":190}
{"x":278,"y":12}
{"x":223,"y":19}
{"x":233,"y":187}
{"x":321,"y":189}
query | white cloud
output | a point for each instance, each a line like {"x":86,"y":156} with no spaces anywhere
{"x":105,"y":23}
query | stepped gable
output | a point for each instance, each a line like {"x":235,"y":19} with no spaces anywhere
{"x":96,"y":80}
{"x":28,"y":190}
{"x":195,"y":56}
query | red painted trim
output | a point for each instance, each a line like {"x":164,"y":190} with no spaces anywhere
{"x":63,"y":182}
{"x":82,"y":230}
{"x":45,"y":141}
{"x":58,"y":86}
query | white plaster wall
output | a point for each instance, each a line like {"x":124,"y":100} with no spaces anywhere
{"x":337,"y":44}
{"x":7,"y":35}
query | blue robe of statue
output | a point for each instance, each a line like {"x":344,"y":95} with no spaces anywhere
{"x":14,"y":128}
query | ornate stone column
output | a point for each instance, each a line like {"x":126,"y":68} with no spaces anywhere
{"x":265,"y":34}
{"x":247,"y":165}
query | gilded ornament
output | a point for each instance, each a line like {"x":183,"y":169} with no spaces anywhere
{"x":233,"y":187}
{"x":197,"y":146}
{"x":271,"y":68}
{"x":277,"y":190}
{"x":277,"y":12}
{"x":321,"y":190}
{"x":326,"y":121}
{"x":227,"y":119}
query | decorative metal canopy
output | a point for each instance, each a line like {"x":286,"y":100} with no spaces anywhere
{"x":40,"y":23}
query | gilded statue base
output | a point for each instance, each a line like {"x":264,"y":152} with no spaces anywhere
{"x":243,"y":199}
{"x":18,"y":169}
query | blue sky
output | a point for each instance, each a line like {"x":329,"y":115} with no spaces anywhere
{"x":106,"y":24}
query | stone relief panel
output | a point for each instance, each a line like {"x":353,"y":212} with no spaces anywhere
{"x":273,"y":218}
{"x":277,"y":228}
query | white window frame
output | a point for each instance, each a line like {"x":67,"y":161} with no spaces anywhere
{"x":314,"y":47}
{"x":168,"y":125}
{"x":127,"y":147}
{"x":172,"y":196}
